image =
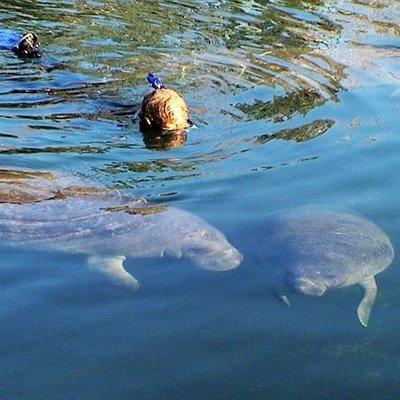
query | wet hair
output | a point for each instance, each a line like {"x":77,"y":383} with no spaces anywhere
{"x":164,"y":110}
{"x":28,"y":46}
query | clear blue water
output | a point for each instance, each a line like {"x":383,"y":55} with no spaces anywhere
{"x":294,"y":104}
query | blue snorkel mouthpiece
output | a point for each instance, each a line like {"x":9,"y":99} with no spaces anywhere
{"x":155,"y":82}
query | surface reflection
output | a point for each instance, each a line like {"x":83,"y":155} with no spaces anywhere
{"x":164,"y":141}
{"x":267,"y":62}
{"x":300,"y":134}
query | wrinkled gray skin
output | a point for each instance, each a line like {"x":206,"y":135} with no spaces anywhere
{"x":110,"y":228}
{"x":321,"y":250}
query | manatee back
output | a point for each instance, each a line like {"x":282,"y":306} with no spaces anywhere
{"x":57,"y":222}
{"x":106,"y":225}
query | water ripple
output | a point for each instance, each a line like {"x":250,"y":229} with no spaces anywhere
{"x":244,"y":67}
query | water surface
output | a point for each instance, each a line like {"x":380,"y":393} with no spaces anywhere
{"x":293,"y":104}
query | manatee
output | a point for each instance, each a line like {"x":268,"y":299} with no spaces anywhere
{"x":108,"y":227}
{"x":313,"y":251}
{"x":28,"y":186}
{"x":26,"y":46}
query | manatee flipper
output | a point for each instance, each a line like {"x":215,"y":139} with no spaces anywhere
{"x":113,"y":267}
{"x":370,"y":290}
{"x":285,"y":300}
{"x":280,"y":292}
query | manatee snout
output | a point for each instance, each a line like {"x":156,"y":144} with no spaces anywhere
{"x":216,"y":260}
{"x":221,"y":260}
{"x":308,"y":287}
{"x":210,"y":249}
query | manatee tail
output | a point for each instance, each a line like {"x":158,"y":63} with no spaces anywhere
{"x":113,"y":267}
{"x":370,"y":290}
